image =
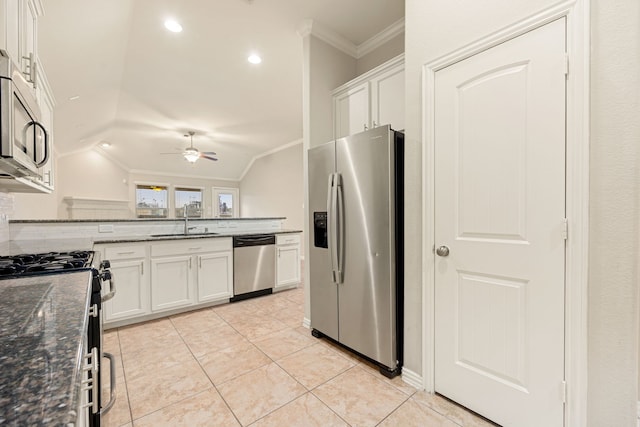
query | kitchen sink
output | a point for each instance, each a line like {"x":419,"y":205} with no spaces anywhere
{"x":183,"y":235}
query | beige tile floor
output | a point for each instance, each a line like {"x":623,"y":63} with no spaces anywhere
{"x":251,"y":363}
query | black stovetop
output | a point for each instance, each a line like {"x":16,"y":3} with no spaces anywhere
{"x":44,"y":263}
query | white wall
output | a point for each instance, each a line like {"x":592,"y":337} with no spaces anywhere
{"x":36,"y":206}
{"x":614,"y":212}
{"x":434,"y":28}
{"x":273,"y":187}
{"x":81,"y":174}
{"x":90,"y":174}
{"x":389,"y":50}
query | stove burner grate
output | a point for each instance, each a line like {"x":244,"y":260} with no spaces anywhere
{"x":32,"y":264}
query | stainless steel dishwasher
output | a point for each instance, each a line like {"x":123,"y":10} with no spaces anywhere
{"x":254,"y":265}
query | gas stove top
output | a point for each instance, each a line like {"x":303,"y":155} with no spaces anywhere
{"x":44,"y":263}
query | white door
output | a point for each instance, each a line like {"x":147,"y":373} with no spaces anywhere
{"x":499,"y":209}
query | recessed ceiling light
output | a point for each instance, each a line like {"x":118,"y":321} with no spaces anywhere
{"x":254,"y":59}
{"x":172,"y":26}
{"x":105,"y":144}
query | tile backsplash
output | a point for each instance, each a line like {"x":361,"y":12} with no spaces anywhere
{"x":97,"y":230}
{"x":6,"y":211}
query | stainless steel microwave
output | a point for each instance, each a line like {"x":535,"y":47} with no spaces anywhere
{"x":24,"y":141}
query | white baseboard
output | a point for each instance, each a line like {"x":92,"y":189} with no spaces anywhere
{"x":412,"y":378}
{"x":306,"y":323}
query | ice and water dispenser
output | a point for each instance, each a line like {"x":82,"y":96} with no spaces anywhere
{"x":320,"y":230}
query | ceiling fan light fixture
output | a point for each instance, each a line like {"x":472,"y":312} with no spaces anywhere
{"x":191,"y":155}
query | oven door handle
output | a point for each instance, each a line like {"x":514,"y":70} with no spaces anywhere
{"x":107,"y":276}
{"x":112,"y":383}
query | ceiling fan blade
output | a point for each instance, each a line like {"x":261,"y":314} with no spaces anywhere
{"x":169,"y":153}
{"x":209,"y":158}
{"x":210,"y":153}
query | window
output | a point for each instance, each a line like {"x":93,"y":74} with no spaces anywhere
{"x":225,"y":202}
{"x":189,"y":200}
{"x":151,"y":201}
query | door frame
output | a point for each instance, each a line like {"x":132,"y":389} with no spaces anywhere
{"x":577,"y":194}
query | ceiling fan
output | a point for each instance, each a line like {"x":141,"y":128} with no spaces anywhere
{"x":191,"y":154}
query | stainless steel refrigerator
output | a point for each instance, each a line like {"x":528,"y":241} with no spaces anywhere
{"x":356,"y":251}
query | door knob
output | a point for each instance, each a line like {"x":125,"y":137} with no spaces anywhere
{"x":442,"y":251}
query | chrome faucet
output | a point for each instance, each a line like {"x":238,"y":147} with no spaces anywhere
{"x":186,"y":223}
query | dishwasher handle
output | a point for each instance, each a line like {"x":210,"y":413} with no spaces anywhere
{"x":254,"y":240}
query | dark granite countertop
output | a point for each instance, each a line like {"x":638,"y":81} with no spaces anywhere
{"x":43,"y":322}
{"x":35,"y":221}
{"x":156,"y":237}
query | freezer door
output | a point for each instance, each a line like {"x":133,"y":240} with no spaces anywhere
{"x":367,"y":294}
{"x":323,"y":292}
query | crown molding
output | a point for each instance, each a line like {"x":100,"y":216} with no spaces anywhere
{"x":311,"y":27}
{"x":381,"y":38}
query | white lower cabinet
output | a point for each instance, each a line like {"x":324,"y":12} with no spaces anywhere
{"x":167,"y":276}
{"x":172,"y":283}
{"x":287,"y":260}
{"x":215,"y":276}
{"x":130,"y":269}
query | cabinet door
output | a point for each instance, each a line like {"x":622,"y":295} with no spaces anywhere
{"x":287,"y":265}
{"x":351,"y":111}
{"x":387,"y":98}
{"x":215,"y":276}
{"x":11,"y":31}
{"x":132,"y":290}
{"x":28,"y":43}
{"x":171,"y":284}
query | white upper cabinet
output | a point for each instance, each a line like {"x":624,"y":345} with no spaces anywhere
{"x":387,"y":98}
{"x":351,"y":110}
{"x":370,"y":100}
{"x":19,"y":38}
{"x":29,"y":39}
{"x":19,"y":34}
{"x":10,"y":36}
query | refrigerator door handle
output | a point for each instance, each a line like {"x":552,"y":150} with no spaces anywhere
{"x":339,"y":229}
{"x":331,"y":225}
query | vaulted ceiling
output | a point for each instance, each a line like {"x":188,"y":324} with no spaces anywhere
{"x":119,"y":76}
